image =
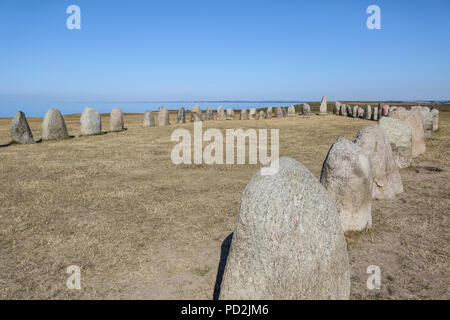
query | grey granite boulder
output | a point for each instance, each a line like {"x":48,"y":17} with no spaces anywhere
{"x":278,"y":112}
{"x":368,"y":112}
{"x":288,"y":242}
{"x":347,"y":176}
{"x":209,"y":114}
{"x":414,"y":120}
{"x":116,"y":120}
{"x":306,"y":109}
{"x":399,"y":135}
{"x":54,"y":127}
{"x":435,"y":115}
{"x":149,"y":119}
{"x":221,"y":114}
{"x":261,"y":115}
{"x":291,"y":111}
{"x":20,"y":130}
{"x":323,"y":106}
{"x":269,"y":112}
{"x":244,"y":114}
{"x":181,"y":115}
{"x":91,"y":122}
{"x":337,"y":108}
{"x":196,"y":114}
{"x":252,"y":114}
{"x":230,"y":114}
{"x":163,"y":117}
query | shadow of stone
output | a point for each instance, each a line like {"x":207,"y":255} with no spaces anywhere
{"x":6,"y":145}
{"x":224,"y":251}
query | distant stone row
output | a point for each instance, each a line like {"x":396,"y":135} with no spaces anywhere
{"x":289,"y":240}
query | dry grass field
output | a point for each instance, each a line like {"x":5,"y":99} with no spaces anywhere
{"x":141,"y":227}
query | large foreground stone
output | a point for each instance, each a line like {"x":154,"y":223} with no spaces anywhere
{"x":288,"y":243}
{"x":91,"y":122}
{"x":54,"y":126}
{"x":116,"y":120}
{"x":414,"y":120}
{"x":20,"y":130}
{"x":347,"y":175}
{"x":386,"y":177}
{"x":399,"y":135}
{"x":149,"y":119}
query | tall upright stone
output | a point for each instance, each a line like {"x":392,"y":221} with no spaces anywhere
{"x":196,"y":114}
{"x":383,"y":110}
{"x":209,"y":114}
{"x":284,"y":112}
{"x":355,"y":111}
{"x":288,"y":243}
{"x":221,"y":114}
{"x":91,"y":122}
{"x":116,"y":120}
{"x":269,"y":112}
{"x":291,"y":111}
{"x":387,"y":179}
{"x":347,"y":176}
{"x":149,"y":119}
{"x":252,"y":114}
{"x":399,"y":135}
{"x":181,"y":115}
{"x":306,"y":109}
{"x":54,"y":127}
{"x":278,"y":112}
{"x":261,"y":115}
{"x":163,"y":117}
{"x":375,"y":113}
{"x":349,"y":111}
{"x":337,"y":108}
{"x":323,"y":106}
{"x":368,"y":112}
{"x":435,"y":116}
{"x":244,"y":114}
{"x":230,"y":114}
{"x":414,"y":120}
{"x":20,"y":130}
{"x":343,"y":110}
{"x":427,"y":120}
{"x":361,"y":112}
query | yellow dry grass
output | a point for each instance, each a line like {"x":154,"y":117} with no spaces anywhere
{"x":141,"y":227}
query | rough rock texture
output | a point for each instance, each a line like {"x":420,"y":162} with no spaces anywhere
{"x":221,"y":114}
{"x":427,"y":120}
{"x":163,"y":117}
{"x":278,"y":112}
{"x":20,"y":130}
{"x":323,"y":105}
{"x":149,"y":119}
{"x":244,"y":114}
{"x":288,"y":243}
{"x":355,"y":111}
{"x":209,"y":114}
{"x":375,"y":114}
{"x":349,"y":110}
{"x":252,"y":114}
{"x":269,"y":112}
{"x":360,"y":112}
{"x":91,"y":122}
{"x":196,"y":114}
{"x":54,"y":126}
{"x":291,"y":111}
{"x":230,"y":114}
{"x":368,"y":112}
{"x":435,"y":115}
{"x":414,"y":120}
{"x":116,"y":120}
{"x":383,"y":110}
{"x":347,"y":175}
{"x":181,"y":115}
{"x":337,"y":108}
{"x":306,"y":109}
{"x":399,"y":135}
{"x":261,"y":115}
{"x":284,"y":112}
{"x":343,"y":110}
{"x":386,"y":177}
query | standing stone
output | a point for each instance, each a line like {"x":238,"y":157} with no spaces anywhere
{"x":355,"y":111}
{"x":427,"y":120}
{"x":91,"y":122}
{"x":399,"y":135}
{"x":278,"y":112}
{"x":20,"y":130}
{"x":392,"y":109}
{"x":306,"y":109}
{"x":209,"y":114}
{"x":349,"y":111}
{"x":435,"y":115}
{"x":269,"y":112}
{"x":337,"y":108}
{"x":244,"y":114}
{"x":291,"y":111}
{"x":149,"y":119}
{"x":252,"y":114}
{"x":360,"y":112}
{"x":383,"y":110}
{"x":196,"y":114}
{"x":116,"y":120}
{"x":414,"y":121}
{"x":323,"y":105}
{"x":284,"y":112}
{"x":163,"y":117}
{"x":343,"y":110}
{"x":54,"y":126}
{"x":261,"y":115}
{"x":288,"y":243}
{"x":386,"y":177}
{"x":368,"y":112}
{"x":347,"y":176}
{"x":221,"y":114}
{"x":181,"y":115}
{"x":375,"y":114}
{"x":230,"y":114}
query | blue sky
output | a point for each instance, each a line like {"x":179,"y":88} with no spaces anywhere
{"x":253,"y":50}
